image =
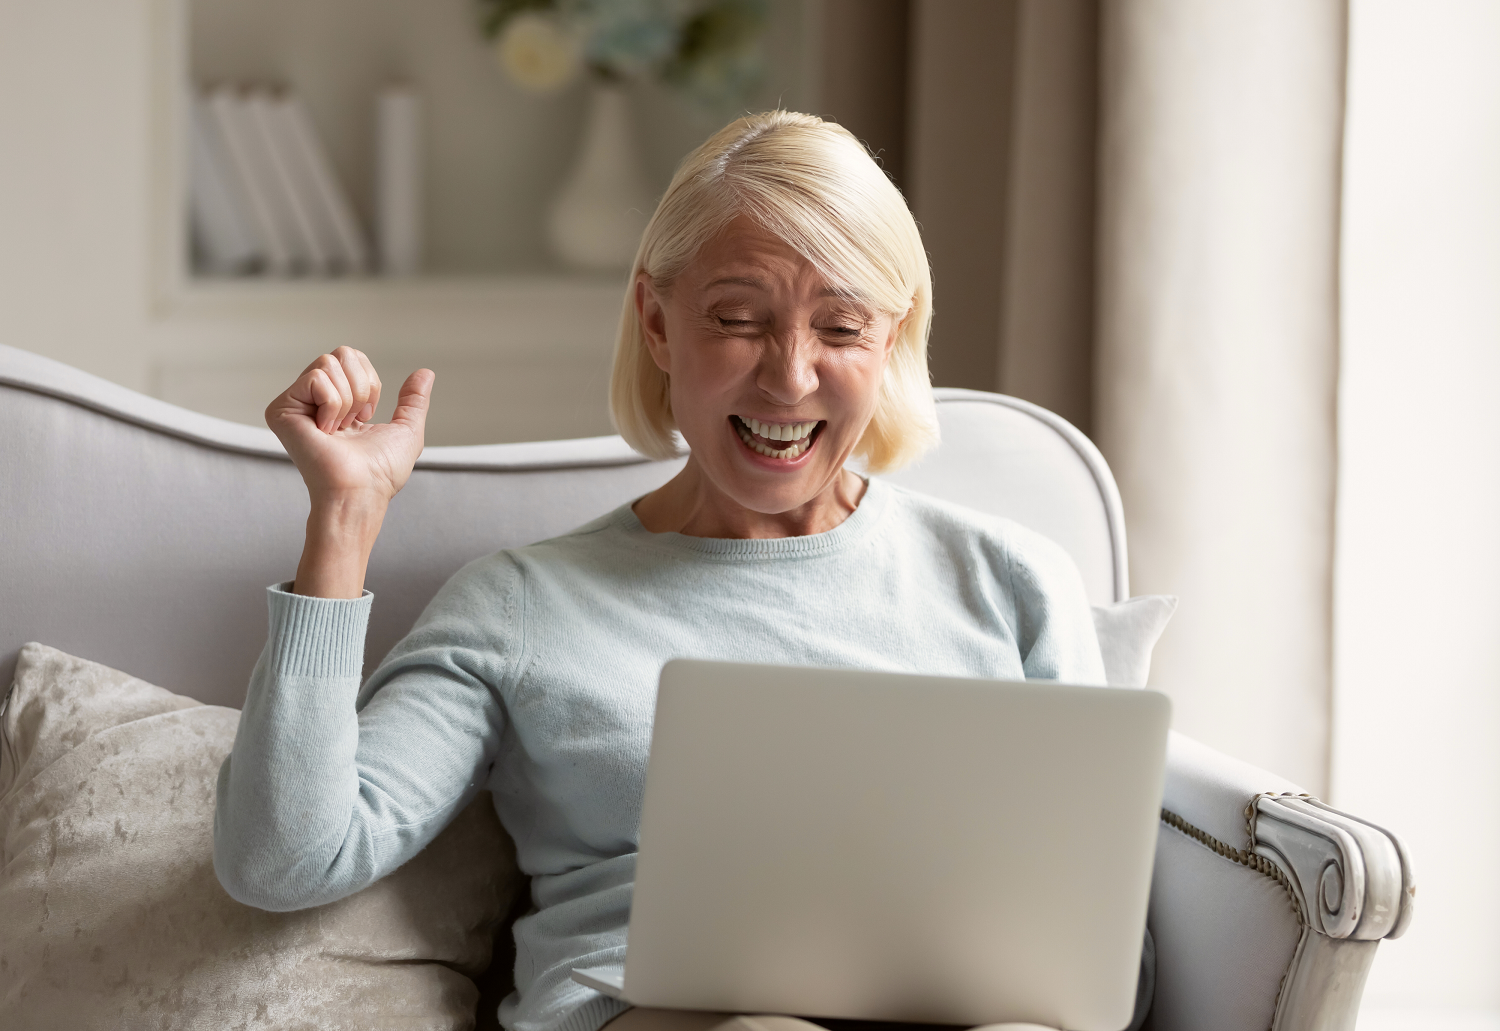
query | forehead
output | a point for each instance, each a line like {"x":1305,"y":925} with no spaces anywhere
{"x":745,"y":253}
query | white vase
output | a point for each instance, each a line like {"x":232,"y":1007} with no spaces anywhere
{"x":597,"y":217}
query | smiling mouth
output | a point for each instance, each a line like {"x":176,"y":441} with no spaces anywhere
{"x":785,"y":441}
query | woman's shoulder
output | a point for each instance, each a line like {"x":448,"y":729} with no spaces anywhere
{"x":492,"y":586}
{"x":1038,"y":574}
{"x":955,"y":524}
{"x":578,"y":545}
{"x":602,"y":534}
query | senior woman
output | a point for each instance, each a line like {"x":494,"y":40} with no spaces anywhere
{"x":777,"y":319}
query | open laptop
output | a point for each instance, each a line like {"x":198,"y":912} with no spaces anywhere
{"x":884,"y":846}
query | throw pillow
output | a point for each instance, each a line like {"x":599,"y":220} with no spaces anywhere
{"x":1128,"y":630}
{"x":110,"y":913}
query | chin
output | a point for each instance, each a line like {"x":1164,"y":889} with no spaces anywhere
{"x":772,"y":486}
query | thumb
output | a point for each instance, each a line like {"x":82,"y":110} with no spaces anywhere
{"x":412,"y":401}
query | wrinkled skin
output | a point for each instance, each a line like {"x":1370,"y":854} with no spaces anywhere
{"x":751,"y":330}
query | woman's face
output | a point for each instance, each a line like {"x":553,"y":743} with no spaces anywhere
{"x":773,"y":375}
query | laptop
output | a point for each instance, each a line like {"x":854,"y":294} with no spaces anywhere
{"x":893,"y":847}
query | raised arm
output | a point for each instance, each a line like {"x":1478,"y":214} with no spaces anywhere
{"x":318,"y":799}
{"x":352,"y":467}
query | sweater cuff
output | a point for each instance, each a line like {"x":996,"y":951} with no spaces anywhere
{"x":593,"y":1014}
{"x":316,"y":637}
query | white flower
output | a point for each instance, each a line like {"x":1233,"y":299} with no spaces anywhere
{"x":538,"y":52}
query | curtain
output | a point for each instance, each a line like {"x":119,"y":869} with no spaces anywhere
{"x":1216,"y":352}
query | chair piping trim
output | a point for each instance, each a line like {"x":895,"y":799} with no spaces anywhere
{"x":1260,"y":864}
{"x":1247,"y":858}
{"x":1252,"y":810}
{"x":6,"y":750}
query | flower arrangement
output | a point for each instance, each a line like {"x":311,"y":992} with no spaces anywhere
{"x":708,"y":49}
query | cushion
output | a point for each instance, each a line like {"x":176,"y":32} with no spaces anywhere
{"x":1127,"y":631}
{"x":110,"y":913}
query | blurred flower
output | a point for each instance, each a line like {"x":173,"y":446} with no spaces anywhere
{"x":719,"y":57}
{"x":538,"y":52}
{"x":708,"y":49}
{"x":630,"y":37}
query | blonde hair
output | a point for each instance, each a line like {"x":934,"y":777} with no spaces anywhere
{"x":813,"y":185}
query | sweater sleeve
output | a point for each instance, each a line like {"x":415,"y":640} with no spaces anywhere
{"x":1055,"y":625}
{"x":329,"y":786}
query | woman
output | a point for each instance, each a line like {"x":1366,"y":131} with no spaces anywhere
{"x":777,"y":319}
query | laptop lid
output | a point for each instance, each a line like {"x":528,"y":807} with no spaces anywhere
{"x":895,"y":847}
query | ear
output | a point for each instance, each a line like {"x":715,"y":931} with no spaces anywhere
{"x":651,"y":313}
{"x":896,"y":326}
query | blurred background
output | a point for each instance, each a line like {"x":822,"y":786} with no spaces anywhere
{"x":1251,"y":247}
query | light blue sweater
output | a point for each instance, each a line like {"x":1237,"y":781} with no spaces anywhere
{"x":533,"y":672}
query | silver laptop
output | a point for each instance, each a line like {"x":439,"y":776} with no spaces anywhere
{"x":885,"y":846}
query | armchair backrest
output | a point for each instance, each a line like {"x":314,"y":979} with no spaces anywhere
{"x":138,"y":534}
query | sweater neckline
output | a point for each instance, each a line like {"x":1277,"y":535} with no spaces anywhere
{"x":854,"y":528}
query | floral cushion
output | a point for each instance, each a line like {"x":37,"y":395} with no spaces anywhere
{"x":110,"y":913}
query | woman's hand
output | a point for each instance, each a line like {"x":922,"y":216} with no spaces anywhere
{"x":352,"y":467}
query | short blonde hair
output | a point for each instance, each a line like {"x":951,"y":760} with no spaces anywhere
{"x":814,"y":185}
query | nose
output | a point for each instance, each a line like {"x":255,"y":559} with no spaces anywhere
{"x":788,"y":373}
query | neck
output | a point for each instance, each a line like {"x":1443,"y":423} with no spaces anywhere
{"x":691,"y":504}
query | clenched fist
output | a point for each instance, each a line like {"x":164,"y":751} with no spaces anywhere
{"x":352,"y":467}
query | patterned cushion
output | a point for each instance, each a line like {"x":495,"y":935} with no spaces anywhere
{"x":110,"y":913}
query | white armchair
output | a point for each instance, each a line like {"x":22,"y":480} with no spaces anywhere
{"x":1266,"y":906}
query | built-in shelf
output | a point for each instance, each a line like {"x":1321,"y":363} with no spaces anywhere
{"x":522,"y":349}
{"x":494,"y":154}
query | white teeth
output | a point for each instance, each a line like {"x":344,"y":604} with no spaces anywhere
{"x":779,"y":431}
{"x":796,"y":432}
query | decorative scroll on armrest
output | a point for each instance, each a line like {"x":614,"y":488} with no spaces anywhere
{"x":1353,"y":878}
{"x":1349,"y":882}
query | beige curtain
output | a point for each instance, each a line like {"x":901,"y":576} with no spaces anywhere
{"x":1216,"y":345}
{"x":1000,"y":171}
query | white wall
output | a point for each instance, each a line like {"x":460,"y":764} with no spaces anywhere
{"x":75,"y":126}
{"x":1417,"y":581}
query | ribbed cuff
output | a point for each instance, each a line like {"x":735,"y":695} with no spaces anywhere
{"x":316,"y":637}
{"x":592,"y":1015}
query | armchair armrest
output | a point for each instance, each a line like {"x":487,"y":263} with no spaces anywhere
{"x":1266,"y":905}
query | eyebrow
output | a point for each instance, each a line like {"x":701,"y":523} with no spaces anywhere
{"x":738,"y":281}
{"x":759,"y":284}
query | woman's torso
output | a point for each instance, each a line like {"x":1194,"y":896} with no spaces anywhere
{"x":583,"y":623}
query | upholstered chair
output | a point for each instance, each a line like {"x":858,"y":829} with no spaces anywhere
{"x":141,"y":535}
